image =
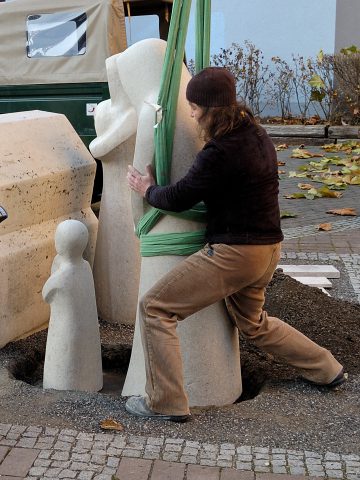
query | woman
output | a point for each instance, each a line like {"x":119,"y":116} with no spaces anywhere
{"x":236,"y":176}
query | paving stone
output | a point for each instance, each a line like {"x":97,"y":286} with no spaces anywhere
{"x":223,"y":456}
{"x":4,"y":428}
{"x":167,"y":471}
{"x":131,"y":453}
{"x":42,"y":462}
{"x":193,"y":444}
{"x":98,"y":459}
{"x":261,"y":450}
{"x":134,"y":469}
{"x":178,"y":441}
{"x":207,"y":462}
{"x":224,"y":463}
{"x":3,"y":452}
{"x":62,"y":446}
{"x":244,"y":458}
{"x":334,"y":473}
{"x":37,"y":471}
{"x":113,"y":462}
{"x":230,"y":474}
{"x":275,"y":476}
{"x":199,"y":472}
{"x":151,"y":455}
{"x":109,"y":470}
{"x":114,"y":451}
{"x":170,"y":456}
{"x":86,"y":475}
{"x":79,"y":466}
{"x":227,"y":446}
{"x":294,"y":470}
{"x":188,"y":459}
{"x":52,"y":472}
{"x":26,"y":442}
{"x":243,"y":465}
{"x":61,"y":464}
{"x":67,"y":474}
{"x":279,"y":469}
{"x":18,"y":461}
{"x":332,"y":456}
{"x":244,"y":449}
{"x":333,"y":466}
{"x":155,"y":441}
{"x":190,"y":451}
{"x":173,"y":447}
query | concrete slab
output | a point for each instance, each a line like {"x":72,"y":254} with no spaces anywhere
{"x":314,"y":281}
{"x":328,"y":271}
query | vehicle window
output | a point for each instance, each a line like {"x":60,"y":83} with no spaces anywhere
{"x":139,"y":27}
{"x":56,"y":34}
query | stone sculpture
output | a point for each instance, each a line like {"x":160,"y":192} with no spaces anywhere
{"x":73,"y":350}
{"x":208,"y":340}
{"x":117,"y":258}
{"x":46,"y":176}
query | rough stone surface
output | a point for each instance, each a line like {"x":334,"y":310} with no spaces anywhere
{"x":221,"y":384}
{"x":117,"y":258}
{"x":46,"y":176}
{"x":73,"y":350}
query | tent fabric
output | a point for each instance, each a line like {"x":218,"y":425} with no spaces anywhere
{"x":105,"y":36}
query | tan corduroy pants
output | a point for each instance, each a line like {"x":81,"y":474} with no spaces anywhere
{"x":238,"y":274}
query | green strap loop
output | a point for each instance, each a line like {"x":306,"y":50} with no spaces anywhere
{"x":171,"y":243}
{"x":202,"y":44}
{"x":187,"y":242}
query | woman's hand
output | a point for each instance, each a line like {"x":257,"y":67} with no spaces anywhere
{"x":140,"y":183}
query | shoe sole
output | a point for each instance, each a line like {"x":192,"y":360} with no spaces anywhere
{"x":159,"y":416}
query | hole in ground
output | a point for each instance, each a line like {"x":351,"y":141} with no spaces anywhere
{"x":28,"y":367}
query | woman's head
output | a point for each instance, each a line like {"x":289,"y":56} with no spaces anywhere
{"x":212,"y":97}
{"x":212,"y":87}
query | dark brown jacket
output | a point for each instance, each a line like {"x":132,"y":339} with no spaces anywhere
{"x":236,"y":177}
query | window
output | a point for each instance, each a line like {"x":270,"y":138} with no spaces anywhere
{"x":56,"y":34}
{"x":140,"y":27}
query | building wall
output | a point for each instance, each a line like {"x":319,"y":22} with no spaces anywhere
{"x":347,"y":29}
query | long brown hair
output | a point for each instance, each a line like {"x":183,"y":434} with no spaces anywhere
{"x":218,"y":121}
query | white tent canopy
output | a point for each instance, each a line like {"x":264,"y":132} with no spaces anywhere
{"x":46,"y":42}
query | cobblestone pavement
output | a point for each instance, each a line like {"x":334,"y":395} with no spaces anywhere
{"x":49,"y":453}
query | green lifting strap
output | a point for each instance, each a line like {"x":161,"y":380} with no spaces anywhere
{"x":184,"y":243}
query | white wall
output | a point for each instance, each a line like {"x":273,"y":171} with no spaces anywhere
{"x":277,"y":27}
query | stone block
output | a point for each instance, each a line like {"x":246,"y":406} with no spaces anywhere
{"x":46,"y":176}
{"x":310,"y":271}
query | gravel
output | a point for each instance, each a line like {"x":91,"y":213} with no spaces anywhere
{"x":278,"y":408}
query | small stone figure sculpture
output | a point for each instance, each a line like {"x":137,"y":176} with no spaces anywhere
{"x":73,"y":350}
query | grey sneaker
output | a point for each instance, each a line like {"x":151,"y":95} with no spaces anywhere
{"x":338,"y":380}
{"x":139,"y":407}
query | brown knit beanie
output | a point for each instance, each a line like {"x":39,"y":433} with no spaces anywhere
{"x":212,"y":87}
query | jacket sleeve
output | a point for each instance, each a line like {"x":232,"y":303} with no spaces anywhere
{"x":190,"y":189}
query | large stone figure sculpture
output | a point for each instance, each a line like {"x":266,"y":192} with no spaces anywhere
{"x":73,"y":350}
{"x":117,"y":258}
{"x":46,"y":176}
{"x":208,"y":340}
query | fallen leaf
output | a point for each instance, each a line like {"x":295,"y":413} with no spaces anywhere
{"x":281,"y":164}
{"x":343,"y":211}
{"x":305,"y":186}
{"x":111,"y":424}
{"x":281,"y":172}
{"x":284,"y":214}
{"x":283,"y":146}
{"x":295,"y":195}
{"x":325,"y":227}
{"x":302,"y":153}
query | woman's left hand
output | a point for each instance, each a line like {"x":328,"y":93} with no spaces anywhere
{"x":140,"y":183}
